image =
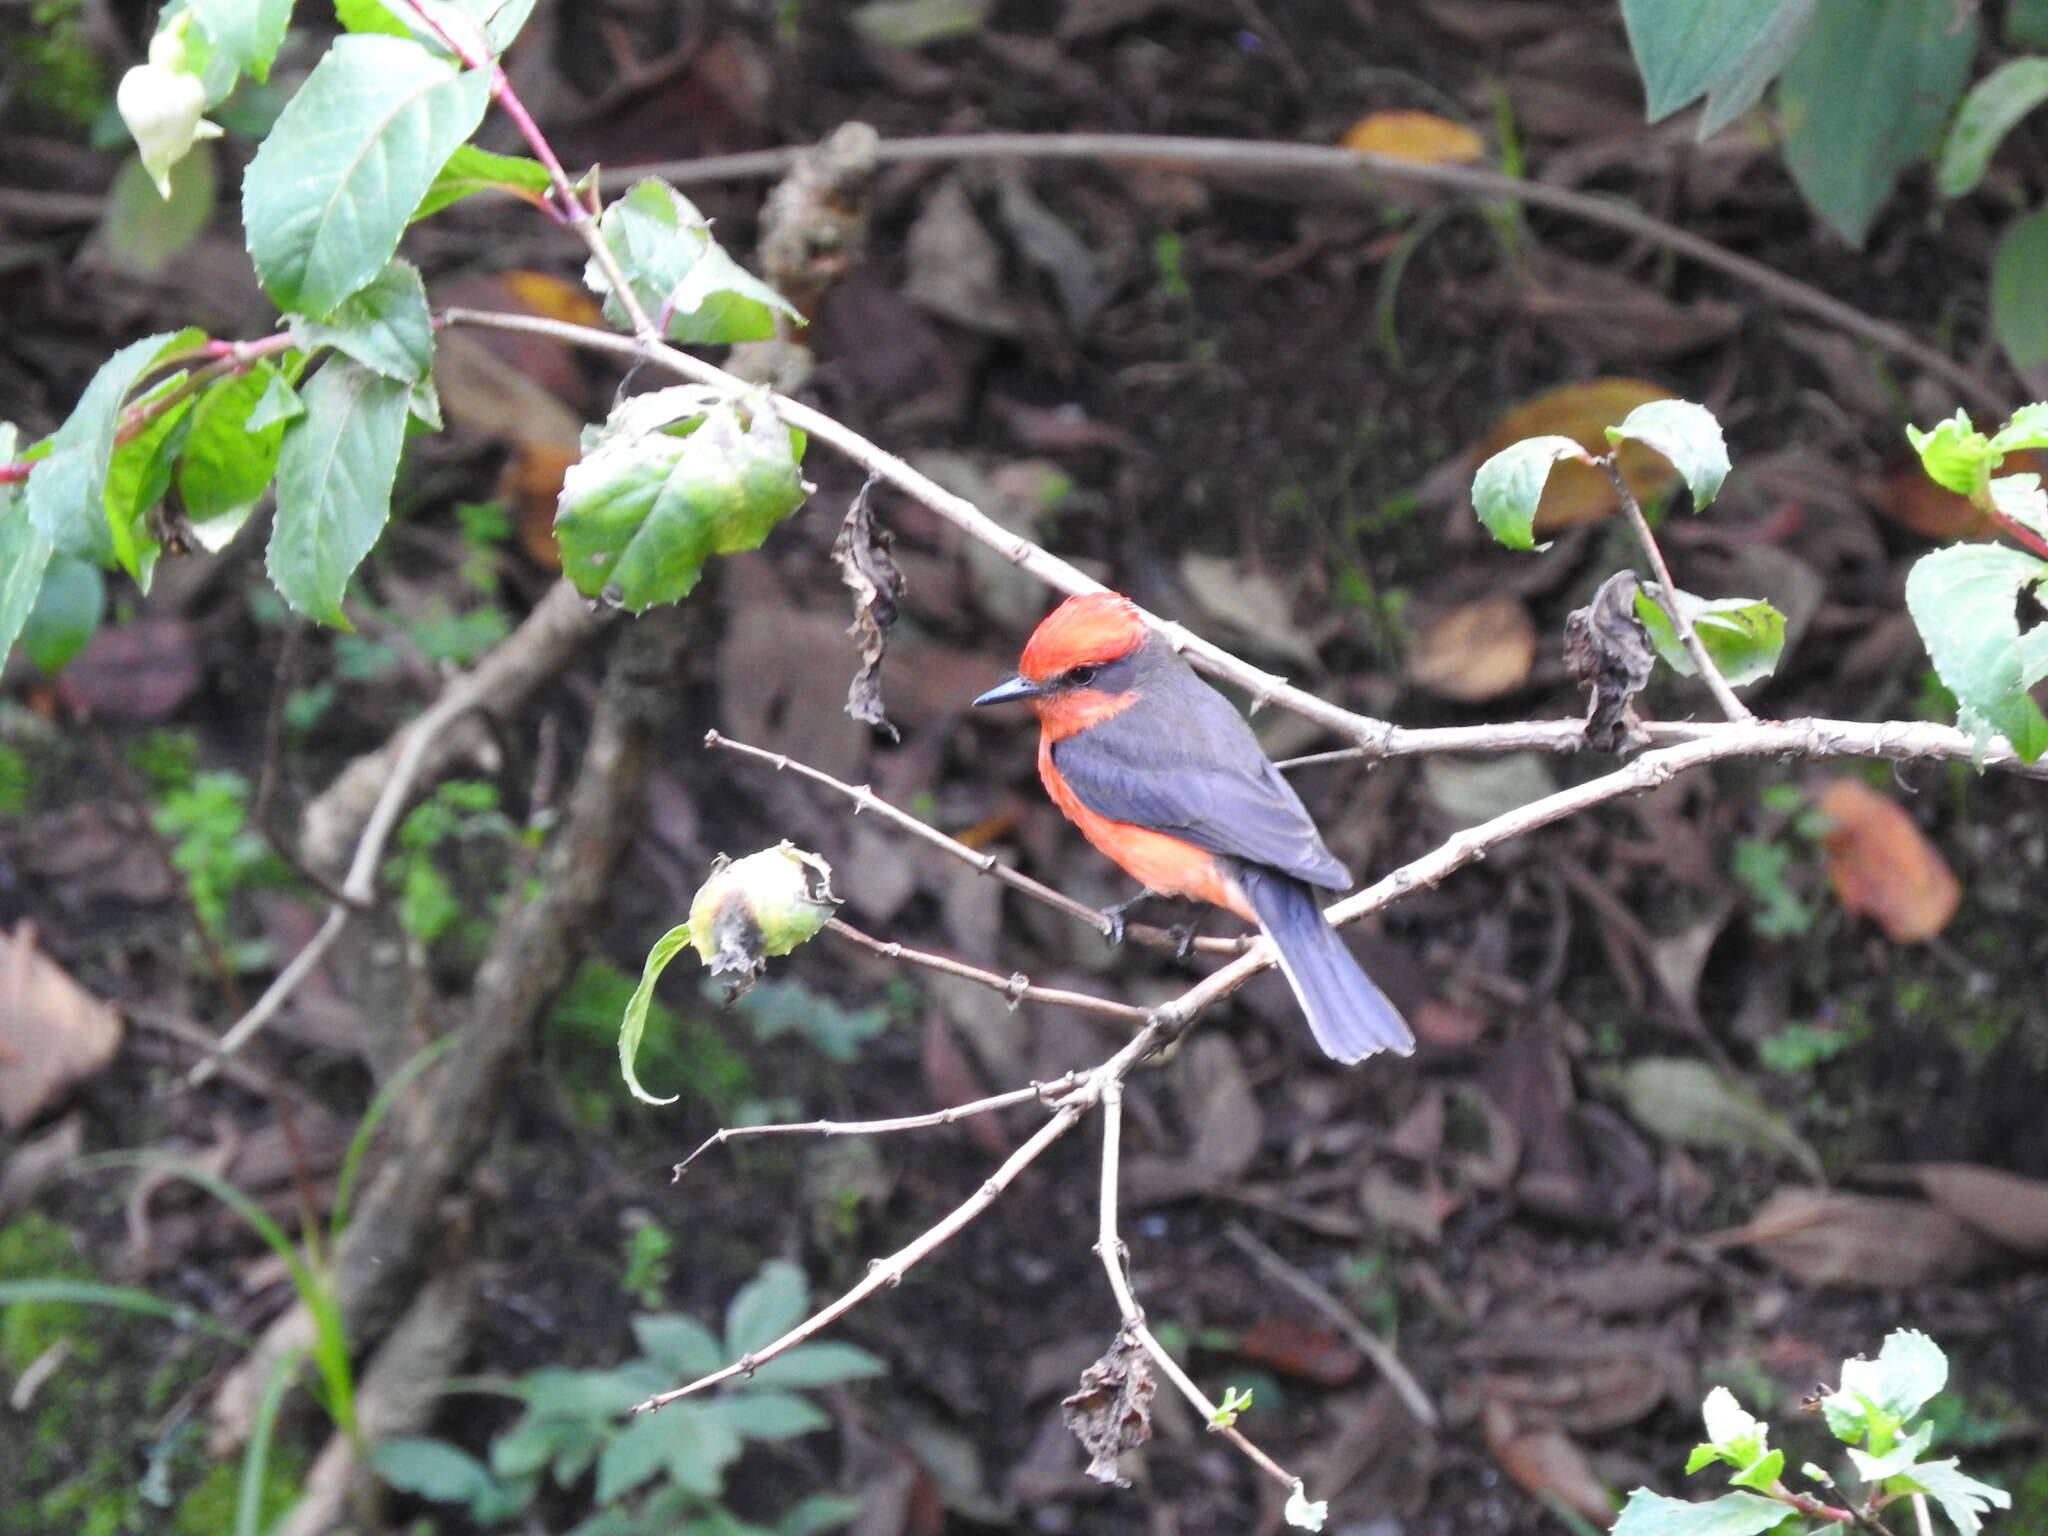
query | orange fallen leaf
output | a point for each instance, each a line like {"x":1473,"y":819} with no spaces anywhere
{"x":1296,"y":1349}
{"x":53,"y":1032}
{"x":1546,"y":1462}
{"x":1906,"y":497}
{"x":1410,"y":135}
{"x":1475,"y":651}
{"x":1882,"y":865}
{"x":1579,"y":493}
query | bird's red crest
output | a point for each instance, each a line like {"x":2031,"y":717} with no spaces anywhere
{"x":1093,"y":627}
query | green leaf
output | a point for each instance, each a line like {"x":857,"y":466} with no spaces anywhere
{"x":634,"y":1024}
{"x":2020,"y":498}
{"x":137,"y":477}
{"x":818,"y":1364}
{"x":1909,"y":1369}
{"x":1688,"y":436}
{"x":280,"y":403}
{"x":765,"y":1308}
{"x":701,"y":1450}
{"x":819,"y":1513}
{"x":371,"y":16}
{"x":1962,"y":1498}
{"x":67,"y":492}
{"x":1955,"y":455}
{"x":248,"y":32}
{"x":1508,"y":486}
{"x":681,"y":1346}
{"x":664,"y":247}
{"x":2028,"y":428}
{"x":1995,"y":104}
{"x":142,"y":231}
{"x":2026,"y":24}
{"x":335,"y":471}
{"x":1743,"y":84}
{"x":1865,"y":97}
{"x":2019,"y":310}
{"x":1688,"y":1102}
{"x":385,"y":326}
{"x":471,"y":169}
{"x":1744,"y":635}
{"x":1964,"y":600}
{"x":350,"y":157}
{"x":637,"y":1452}
{"x":66,"y":614}
{"x":227,"y":461}
{"x":24,"y":552}
{"x":1905,"y":1451}
{"x":642,"y":512}
{"x":1684,"y":47}
{"x":432,"y":1469}
{"x":1733,"y":1514}
{"x":768,"y":1415}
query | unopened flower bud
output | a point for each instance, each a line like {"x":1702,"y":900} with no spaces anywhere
{"x":164,"y":109}
{"x":765,"y":904}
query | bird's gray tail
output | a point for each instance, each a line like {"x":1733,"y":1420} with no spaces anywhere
{"x":1351,"y":1017}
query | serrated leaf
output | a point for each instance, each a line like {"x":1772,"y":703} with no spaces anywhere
{"x":1733,"y":1514}
{"x":333,"y":186}
{"x":1962,"y":1498}
{"x":24,"y":552}
{"x":1955,"y":455}
{"x":1903,"y":1454}
{"x":664,"y":247}
{"x":2019,"y":312}
{"x":66,"y":614}
{"x":640,"y":514}
{"x":227,"y":462}
{"x":1964,"y":600}
{"x":432,"y":1469}
{"x":1509,"y":486}
{"x":384,"y":325}
{"x":1683,"y":47}
{"x":681,"y":1346}
{"x":1687,"y":435}
{"x":1743,"y":84}
{"x":1995,"y":104}
{"x":471,"y":169}
{"x":769,"y":1415}
{"x":67,"y":493}
{"x":821,"y":1363}
{"x":634,"y":1024}
{"x":247,"y":32}
{"x":1745,"y":636}
{"x":1865,"y":97}
{"x":1909,"y":1369}
{"x":335,"y":470}
{"x":765,"y":1308}
{"x":2027,"y":428}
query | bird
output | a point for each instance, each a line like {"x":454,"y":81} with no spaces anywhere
{"x":1161,"y":773}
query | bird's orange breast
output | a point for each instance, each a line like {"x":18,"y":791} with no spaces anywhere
{"x":1156,"y":861}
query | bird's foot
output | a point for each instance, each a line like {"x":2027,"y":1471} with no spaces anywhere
{"x":1114,"y":917}
{"x":1184,"y":936}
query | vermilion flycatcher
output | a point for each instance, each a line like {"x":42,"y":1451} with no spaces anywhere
{"x":1163,"y":775}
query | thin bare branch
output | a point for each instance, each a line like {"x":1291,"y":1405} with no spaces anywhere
{"x":1016,"y":987}
{"x":1043,"y":1093}
{"x":1343,"y":1319}
{"x":1667,"y":599}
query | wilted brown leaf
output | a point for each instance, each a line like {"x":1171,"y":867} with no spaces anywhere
{"x":1411,"y":135}
{"x":869,"y":571}
{"x":1295,"y":1349}
{"x":1112,"y":1413}
{"x":1825,"y":1237}
{"x":138,"y":671}
{"x":1607,"y":650}
{"x":1579,"y":493}
{"x":1547,"y":1462}
{"x":1475,"y":651}
{"x":53,"y":1033}
{"x":1882,"y":865}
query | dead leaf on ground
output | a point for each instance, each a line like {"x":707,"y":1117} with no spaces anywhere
{"x":1825,"y":1237}
{"x":1259,"y":608}
{"x":1546,"y":1462}
{"x":1224,"y":1122}
{"x":1411,"y":135}
{"x":1588,"y":1394}
{"x":1882,"y":865}
{"x":53,"y":1033}
{"x":139,"y":671}
{"x":1905,"y":497}
{"x":1295,"y":1349}
{"x":1579,"y":493}
{"x":1690,"y":1103}
{"x":2005,"y":1207}
{"x":38,"y":1160}
{"x":1475,"y":651}
{"x":1112,"y":1412}
{"x":1417,"y":1205}
{"x":954,"y":268}
{"x":97,"y":850}
{"x":1608,"y":314}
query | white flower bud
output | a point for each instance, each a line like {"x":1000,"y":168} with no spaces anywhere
{"x":164,"y":110}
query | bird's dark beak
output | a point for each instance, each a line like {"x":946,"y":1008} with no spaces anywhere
{"x":1009,"y":692}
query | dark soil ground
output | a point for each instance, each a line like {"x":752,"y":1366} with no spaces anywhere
{"x":1252,"y":403}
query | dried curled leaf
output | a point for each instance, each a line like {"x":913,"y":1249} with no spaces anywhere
{"x":1607,"y":649}
{"x":862,"y":552}
{"x":1112,"y":1412}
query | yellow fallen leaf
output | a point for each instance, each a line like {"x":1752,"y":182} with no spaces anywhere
{"x":1578,"y":493}
{"x":1409,"y":135}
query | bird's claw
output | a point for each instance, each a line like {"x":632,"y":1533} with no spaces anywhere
{"x":1114,"y":917}
{"x":1183,"y":936}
